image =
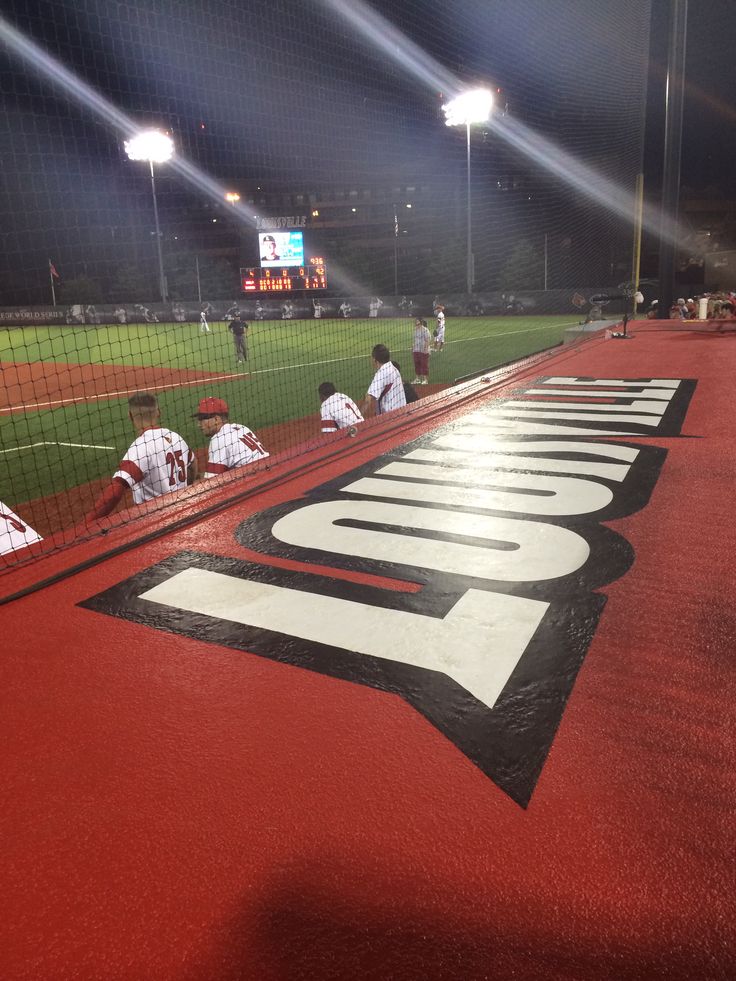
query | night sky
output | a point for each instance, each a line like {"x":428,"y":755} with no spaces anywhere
{"x":289,"y":94}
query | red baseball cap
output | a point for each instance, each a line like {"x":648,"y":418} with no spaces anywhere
{"x":211,"y":407}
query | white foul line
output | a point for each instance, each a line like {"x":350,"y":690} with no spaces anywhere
{"x":109,"y":395}
{"x":45,"y":442}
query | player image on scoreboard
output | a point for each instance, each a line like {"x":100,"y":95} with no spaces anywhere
{"x":281,"y":249}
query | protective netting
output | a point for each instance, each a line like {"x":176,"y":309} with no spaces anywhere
{"x":325,"y":120}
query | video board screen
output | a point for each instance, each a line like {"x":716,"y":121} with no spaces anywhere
{"x":281,"y":249}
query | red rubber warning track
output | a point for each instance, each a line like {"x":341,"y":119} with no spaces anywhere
{"x":197,"y":788}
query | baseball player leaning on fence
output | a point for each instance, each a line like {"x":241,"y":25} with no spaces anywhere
{"x":231,"y":445}
{"x":338,"y":411}
{"x":157,"y":462}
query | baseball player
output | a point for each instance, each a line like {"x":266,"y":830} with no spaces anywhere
{"x":204,"y":327}
{"x":386,"y":391}
{"x":15,"y":534}
{"x":231,"y":445}
{"x":157,"y":462}
{"x":338,"y":411}
{"x":420,"y":351}
{"x":439,"y":331}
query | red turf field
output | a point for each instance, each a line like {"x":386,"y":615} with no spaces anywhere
{"x":192,"y":794}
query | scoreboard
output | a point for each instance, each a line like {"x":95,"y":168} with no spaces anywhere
{"x":312,"y":276}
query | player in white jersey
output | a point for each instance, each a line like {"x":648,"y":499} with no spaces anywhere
{"x":15,"y":534}
{"x":439,"y":331}
{"x":386,"y":391}
{"x":231,"y":445}
{"x":338,"y":411}
{"x":158,"y":462}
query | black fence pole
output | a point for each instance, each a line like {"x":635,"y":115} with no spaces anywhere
{"x":674,"y":98}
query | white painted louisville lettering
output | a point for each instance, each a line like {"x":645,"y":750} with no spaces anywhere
{"x":457,"y":457}
{"x":514,"y":550}
{"x":518,"y":427}
{"x":521,"y":416}
{"x":652,"y":393}
{"x":526,"y":493}
{"x":478,"y":643}
{"x":615,"y":382}
{"x":474,"y":441}
{"x":549,"y":412}
{"x":653,"y":407}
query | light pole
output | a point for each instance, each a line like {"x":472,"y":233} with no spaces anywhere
{"x":470,"y":107}
{"x":155,"y":147}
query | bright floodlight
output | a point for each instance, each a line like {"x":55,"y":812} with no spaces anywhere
{"x":232,"y":197}
{"x":470,"y":107}
{"x":151,"y":145}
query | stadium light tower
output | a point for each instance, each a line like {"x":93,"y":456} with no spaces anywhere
{"x":155,"y":147}
{"x":473,"y":106}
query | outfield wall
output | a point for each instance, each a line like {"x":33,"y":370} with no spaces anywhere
{"x":456,"y":304}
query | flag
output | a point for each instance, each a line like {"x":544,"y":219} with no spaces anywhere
{"x":52,"y":270}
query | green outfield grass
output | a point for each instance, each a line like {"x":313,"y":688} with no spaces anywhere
{"x":287,"y":361}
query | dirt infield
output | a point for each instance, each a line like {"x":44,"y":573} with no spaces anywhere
{"x":66,"y":384}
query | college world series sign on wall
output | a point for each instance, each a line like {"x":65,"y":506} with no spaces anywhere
{"x":493,"y":525}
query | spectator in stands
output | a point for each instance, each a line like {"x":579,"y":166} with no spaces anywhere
{"x":692,"y":309}
{"x":653,"y":311}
